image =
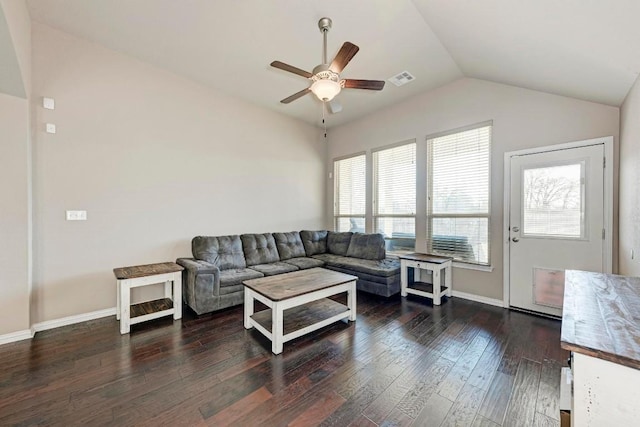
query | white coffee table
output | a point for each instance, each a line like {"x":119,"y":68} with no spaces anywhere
{"x":298,"y":303}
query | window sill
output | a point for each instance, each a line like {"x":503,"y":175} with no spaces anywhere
{"x":465,"y":266}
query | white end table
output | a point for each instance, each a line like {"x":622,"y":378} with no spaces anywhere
{"x":144,"y":275}
{"x":439,"y":266}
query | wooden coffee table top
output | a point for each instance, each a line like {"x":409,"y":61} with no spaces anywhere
{"x":289,"y":285}
{"x":434,"y":259}
{"x":146,"y":270}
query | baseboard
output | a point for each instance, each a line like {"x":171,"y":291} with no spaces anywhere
{"x":16,"y":336}
{"x":478,"y":298}
{"x":70,"y":320}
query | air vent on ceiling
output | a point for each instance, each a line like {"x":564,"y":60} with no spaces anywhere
{"x":402,"y":79}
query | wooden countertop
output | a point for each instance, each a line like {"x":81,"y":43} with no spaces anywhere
{"x":601,"y":316}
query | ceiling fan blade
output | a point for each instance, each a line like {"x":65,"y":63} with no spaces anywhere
{"x":334,"y":106}
{"x":291,"y":69}
{"x":296,"y":95}
{"x":363,"y":84}
{"x":345,"y":54}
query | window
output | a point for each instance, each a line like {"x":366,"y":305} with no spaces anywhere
{"x":349,"y":193}
{"x":458,"y":190}
{"x":553,"y":202}
{"x":394,"y":200}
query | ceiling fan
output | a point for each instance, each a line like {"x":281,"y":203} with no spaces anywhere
{"x":326,"y":81}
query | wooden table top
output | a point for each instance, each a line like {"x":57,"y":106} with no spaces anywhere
{"x":434,"y":259}
{"x":289,"y":285}
{"x":601,"y":316}
{"x":146,"y":270}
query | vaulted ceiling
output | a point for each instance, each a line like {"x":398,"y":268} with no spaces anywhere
{"x":586,"y":49}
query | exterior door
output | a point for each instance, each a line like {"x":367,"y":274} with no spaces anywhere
{"x":556,"y":223}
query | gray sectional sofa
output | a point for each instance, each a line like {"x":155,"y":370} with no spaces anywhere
{"x":213,"y":278}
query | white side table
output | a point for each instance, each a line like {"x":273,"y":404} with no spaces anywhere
{"x":441,"y":270}
{"x":144,"y":275}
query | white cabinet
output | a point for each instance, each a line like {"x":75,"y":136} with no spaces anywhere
{"x":601,"y":327}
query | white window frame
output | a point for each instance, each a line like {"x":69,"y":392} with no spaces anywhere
{"x":374,"y":181}
{"x":336,"y":197}
{"x":430,"y":216}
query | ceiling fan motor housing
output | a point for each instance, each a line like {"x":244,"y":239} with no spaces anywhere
{"x":322,"y":72}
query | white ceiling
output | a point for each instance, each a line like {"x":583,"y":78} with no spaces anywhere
{"x":587,"y":49}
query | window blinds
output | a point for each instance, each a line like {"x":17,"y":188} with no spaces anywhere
{"x":394,"y":171}
{"x":350,"y":193}
{"x":458,"y":194}
{"x":395,"y":180}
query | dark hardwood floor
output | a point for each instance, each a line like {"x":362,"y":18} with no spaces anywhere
{"x":403,"y":362}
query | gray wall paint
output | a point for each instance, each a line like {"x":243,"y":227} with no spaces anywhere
{"x":521,"y":119}
{"x":155,"y":159}
{"x":630,"y":183}
{"x":15,"y":173}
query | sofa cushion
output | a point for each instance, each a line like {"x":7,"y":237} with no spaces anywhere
{"x":222,"y":251}
{"x":274,"y":268}
{"x":367,"y":246}
{"x":338,"y":242}
{"x":289,"y":245}
{"x":383,"y":280}
{"x":384,"y":267}
{"x":259,"y":248}
{"x":235,"y":276}
{"x":315,"y":242}
{"x":305,"y":262}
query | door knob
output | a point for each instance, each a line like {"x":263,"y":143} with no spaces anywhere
{"x":515,"y":239}
{"x":515,"y":229}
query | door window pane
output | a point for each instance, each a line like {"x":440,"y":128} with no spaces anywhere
{"x":553,"y":201}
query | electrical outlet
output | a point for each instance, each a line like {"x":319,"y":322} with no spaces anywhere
{"x":76,"y":215}
{"x":51,"y":128}
{"x":49,"y":103}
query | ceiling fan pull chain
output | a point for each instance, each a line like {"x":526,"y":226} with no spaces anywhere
{"x":324,"y":106}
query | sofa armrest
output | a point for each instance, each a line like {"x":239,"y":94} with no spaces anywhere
{"x":198,"y":266}
{"x":200,"y":283}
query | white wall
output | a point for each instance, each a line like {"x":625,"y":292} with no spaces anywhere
{"x":630,"y":183}
{"x":155,"y":159}
{"x":521,"y":119}
{"x":15,"y":175}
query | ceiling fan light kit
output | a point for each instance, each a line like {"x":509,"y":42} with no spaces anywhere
{"x":326,"y":81}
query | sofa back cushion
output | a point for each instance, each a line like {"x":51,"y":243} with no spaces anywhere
{"x":367,"y":246}
{"x":315,"y":242}
{"x":259,"y":248}
{"x":338,"y":242}
{"x":289,"y":245}
{"x":224,"y":252}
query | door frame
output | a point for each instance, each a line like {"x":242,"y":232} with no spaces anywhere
{"x":608,"y":202}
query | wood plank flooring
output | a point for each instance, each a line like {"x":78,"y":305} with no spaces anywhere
{"x":403,"y":362}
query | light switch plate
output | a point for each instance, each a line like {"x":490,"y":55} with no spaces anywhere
{"x":76,"y":215}
{"x":49,"y":103}
{"x":51,"y":128}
